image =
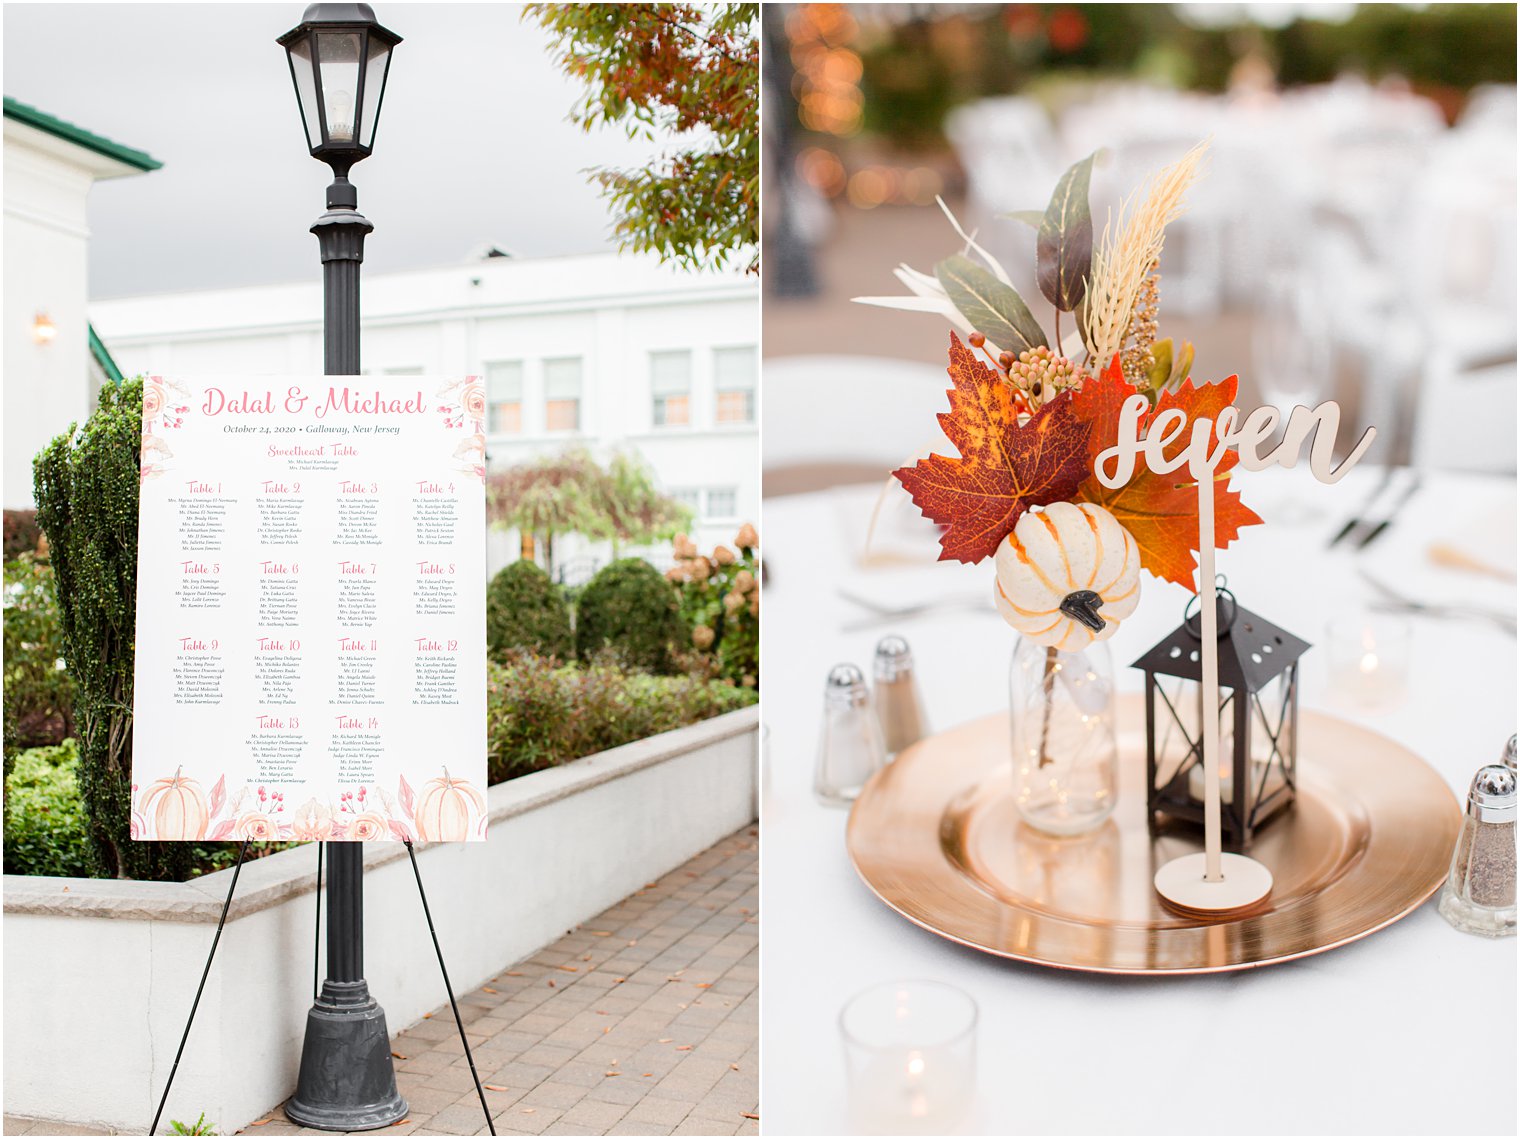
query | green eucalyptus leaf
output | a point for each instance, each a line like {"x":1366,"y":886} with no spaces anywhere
{"x":992,"y":308}
{"x":1063,"y":252}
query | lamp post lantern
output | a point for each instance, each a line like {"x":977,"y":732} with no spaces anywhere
{"x":339,"y":60}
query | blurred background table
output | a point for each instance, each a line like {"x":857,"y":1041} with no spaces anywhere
{"x":1359,"y":196}
{"x":1328,"y":1044}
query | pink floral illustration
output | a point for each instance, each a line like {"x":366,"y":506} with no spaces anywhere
{"x":463,"y":407}
{"x":474,"y":401}
{"x":154,"y":450}
{"x":159,"y":411}
{"x":368,"y":826}
{"x":257,"y":826}
{"x":153,"y":399}
{"x":176,"y":808}
{"x":313,"y":822}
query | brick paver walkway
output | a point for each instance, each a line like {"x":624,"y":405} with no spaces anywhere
{"x":642,"y":1021}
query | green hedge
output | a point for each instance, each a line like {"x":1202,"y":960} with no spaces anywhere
{"x":526,"y":610}
{"x":629,"y":609}
{"x":541,"y":714}
{"x":45,"y":829}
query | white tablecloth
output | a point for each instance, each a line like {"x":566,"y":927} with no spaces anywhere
{"x":1409,"y":1031}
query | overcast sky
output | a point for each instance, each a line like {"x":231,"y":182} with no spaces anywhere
{"x":474,"y":145}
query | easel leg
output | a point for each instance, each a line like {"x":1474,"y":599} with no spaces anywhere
{"x":316,"y":957}
{"x":237,"y":868}
{"x":449,"y":988}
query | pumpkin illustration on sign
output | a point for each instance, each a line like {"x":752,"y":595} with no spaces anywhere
{"x":1005,"y":467}
{"x":447,"y":808}
{"x":1067,"y":575}
{"x":176,"y":808}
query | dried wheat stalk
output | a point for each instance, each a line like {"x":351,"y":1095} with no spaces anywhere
{"x":1125,"y":258}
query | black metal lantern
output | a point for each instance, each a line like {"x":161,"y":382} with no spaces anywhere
{"x":339,"y":58}
{"x":1258,"y":722}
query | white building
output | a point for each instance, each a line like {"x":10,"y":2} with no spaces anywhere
{"x":604,"y":351}
{"x":54,"y":365}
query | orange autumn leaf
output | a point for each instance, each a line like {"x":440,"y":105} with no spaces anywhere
{"x":1161,"y":511}
{"x":1004,"y":467}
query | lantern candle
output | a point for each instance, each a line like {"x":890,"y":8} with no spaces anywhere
{"x":1196,"y":783}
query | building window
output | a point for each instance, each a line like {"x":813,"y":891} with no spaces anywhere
{"x":504,"y":395}
{"x":670,"y":383}
{"x":688,"y":496}
{"x":722,"y":502}
{"x":734,"y":370}
{"x":562,"y":394}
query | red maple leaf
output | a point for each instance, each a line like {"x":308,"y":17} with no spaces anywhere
{"x":1004,"y":468}
{"x":1161,"y":511}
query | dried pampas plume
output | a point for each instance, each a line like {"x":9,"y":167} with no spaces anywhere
{"x":1124,"y":260}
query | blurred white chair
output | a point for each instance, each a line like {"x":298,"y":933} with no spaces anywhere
{"x":1009,"y":152}
{"x":1461,"y":269}
{"x":1490,"y":108}
{"x":836,"y":420}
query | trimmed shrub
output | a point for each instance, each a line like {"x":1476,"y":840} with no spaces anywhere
{"x":630,"y":609}
{"x":45,"y":828}
{"x":87,"y":483}
{"x":525,"y":610}
{"x":540,"y":713}
{"x":39,"y":695}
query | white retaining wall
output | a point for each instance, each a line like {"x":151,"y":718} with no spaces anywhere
{"x":99,"y":975}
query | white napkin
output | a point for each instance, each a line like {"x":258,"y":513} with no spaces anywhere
{"x":1483,"y":544}
{"x":895,"y":561}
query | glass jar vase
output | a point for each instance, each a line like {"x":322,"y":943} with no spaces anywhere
{"x":1065,"y":750}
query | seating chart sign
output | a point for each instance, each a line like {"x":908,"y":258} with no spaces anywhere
{"x":310,"y":610}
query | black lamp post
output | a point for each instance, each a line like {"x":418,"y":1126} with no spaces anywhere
{"x":339,"y":58}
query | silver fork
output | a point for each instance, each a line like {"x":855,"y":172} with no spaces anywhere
{"x":1395,"y":602}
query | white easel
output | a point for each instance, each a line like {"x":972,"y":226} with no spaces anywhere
{"x":1213,"y":882}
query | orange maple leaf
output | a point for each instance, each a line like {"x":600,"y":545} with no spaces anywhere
{"x":1004,"y":468}
{"x":1161,"y":511}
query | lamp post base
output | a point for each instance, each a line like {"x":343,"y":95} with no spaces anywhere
{"x":347,"y":1080}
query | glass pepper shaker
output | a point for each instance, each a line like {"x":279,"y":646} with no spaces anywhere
{"x":1509,"y":754}
{"x":850,"y":749}
{"x":899,"y":706}
{"x":1479,"y":895}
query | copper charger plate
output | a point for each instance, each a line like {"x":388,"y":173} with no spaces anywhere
{"x":935,"y":835}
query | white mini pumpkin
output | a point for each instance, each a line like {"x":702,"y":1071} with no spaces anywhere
{"x":1065,"y":569}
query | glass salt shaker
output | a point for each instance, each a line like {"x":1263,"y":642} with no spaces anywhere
{"x":850,"y":748}
{"x":899,"y":706}
{"x":1509,"y":754}
{"x":1479,"y":895}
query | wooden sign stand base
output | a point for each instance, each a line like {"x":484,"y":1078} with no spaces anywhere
{"x":1183,"y":885}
